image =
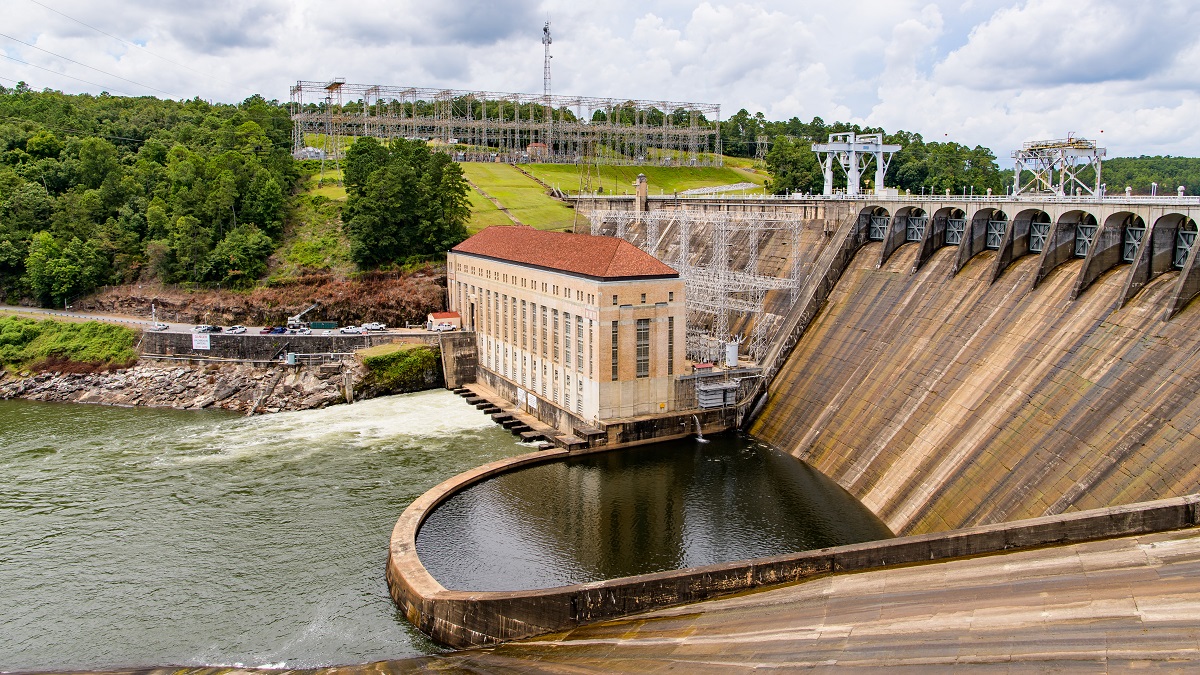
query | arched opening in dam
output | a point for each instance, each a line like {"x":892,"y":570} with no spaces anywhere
{"x":665,"y":506}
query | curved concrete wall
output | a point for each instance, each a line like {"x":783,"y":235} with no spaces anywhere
{"x":946,"y":400}
{"x":466,"y":619}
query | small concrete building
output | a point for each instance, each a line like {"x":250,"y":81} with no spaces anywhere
{"x":434,"y":319}
{"x":575,"y":328}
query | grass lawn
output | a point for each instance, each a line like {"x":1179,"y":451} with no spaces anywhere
{"x":523,"y":197}
{"x":389,"y":348}
{"x":484,"y":213}
{"x":662,"y":179}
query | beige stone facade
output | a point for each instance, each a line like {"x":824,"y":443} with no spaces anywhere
{"x":550,"y":334}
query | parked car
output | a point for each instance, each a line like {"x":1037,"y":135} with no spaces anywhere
{"x":237,"y":330}
{"x":159,"y":326}
{"x":266,"y":330}
{"x":202,"y":328}
{"x":442,"y":327}
{"x":299,"y":331}
{"x":374,"y":325}
{"x":278,"y":330}
{"x":351,"y":330}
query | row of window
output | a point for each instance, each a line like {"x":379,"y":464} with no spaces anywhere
{"x":642,"y":347}
{"x":498,"y":357}
{"x":501,"y":320}
{"x":642,"y":300}
{"x":526,"y":282}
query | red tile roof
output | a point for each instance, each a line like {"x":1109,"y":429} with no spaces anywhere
{"x":582,"y":254}
{"x":444,"y":315}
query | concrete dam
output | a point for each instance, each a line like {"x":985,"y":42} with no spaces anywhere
{"x":954,"y":364}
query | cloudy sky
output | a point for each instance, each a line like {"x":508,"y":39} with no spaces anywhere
{"x":985,"y":72}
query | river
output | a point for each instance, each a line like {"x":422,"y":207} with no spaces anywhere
{"x":146,"y":537}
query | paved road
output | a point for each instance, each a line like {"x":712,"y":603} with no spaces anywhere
{"x":143,"y":323}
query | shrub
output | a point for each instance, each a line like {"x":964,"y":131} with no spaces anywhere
{"x":409,"y":368}
{"x":70,"y":347}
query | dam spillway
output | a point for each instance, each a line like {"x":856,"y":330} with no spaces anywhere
{"x":955,"y":385}
{"x":949,"y":401}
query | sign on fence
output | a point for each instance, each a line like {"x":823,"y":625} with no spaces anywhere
{"x":201,"y":341}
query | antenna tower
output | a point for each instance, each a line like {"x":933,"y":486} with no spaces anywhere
{"x":547,"y":108}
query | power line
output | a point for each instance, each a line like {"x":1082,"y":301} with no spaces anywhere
{"x":104,"y":72}
{"x":55,"y":72}
{"x":131,"y":44}
{"x":69,"y":130}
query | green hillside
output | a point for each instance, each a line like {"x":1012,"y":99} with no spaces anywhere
{"x":523,"y":198}
{"x":662,"y":179}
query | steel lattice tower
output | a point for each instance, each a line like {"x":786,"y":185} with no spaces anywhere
{"x":547,"y":110}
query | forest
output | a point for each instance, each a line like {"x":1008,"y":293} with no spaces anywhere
{"x":106,"y":189}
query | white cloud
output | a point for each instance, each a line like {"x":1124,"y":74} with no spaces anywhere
{"x":991,"y":72}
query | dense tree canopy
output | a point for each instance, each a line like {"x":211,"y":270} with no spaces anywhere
{"x":103,"y":189}
{"x":404,"y":200}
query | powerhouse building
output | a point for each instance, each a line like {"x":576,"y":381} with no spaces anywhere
{"x":576,"y":328}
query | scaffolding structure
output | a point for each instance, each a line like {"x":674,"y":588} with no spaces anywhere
{"x":854,"y":153}
{"x":1056,"y":166}
{"x":714,"y":288}
{"x":509,"y":127}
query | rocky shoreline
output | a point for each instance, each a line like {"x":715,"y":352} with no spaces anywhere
{"x":227,"y":386}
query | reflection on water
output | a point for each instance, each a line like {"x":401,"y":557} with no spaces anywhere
{"x":648,"y":509}
{"x":156,"y":537}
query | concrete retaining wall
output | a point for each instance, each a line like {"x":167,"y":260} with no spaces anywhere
{"x":252,"y":347}
{"x":470,"y":619}
{"x":460,"y":358}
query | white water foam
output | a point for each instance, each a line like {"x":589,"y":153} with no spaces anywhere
{"x":418,"y":417}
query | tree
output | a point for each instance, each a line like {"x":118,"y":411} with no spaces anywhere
{"x":241,"y":257}
{"x":403,"y":200}
{"x":794,"y":167}
{"x":59,"y":273}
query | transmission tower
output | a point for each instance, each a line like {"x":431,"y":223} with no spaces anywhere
{"x":547,"y":110}
{"x":760,"y":150}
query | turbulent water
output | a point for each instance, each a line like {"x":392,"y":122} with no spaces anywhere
{"x":138,"y":537}
{"x":649,"y":509}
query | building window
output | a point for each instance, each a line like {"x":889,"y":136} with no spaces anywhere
{"x":614,"y":301}
{"x":670,"y":345}
{"x":504,"y":317}
{"x":543,"y":380}
{"x":643,"y":298}
{"x":671,"y":296}
{"x":643,"y":347}
{"x":554,"y":389}
{"x":591,"y":348}
{"x":524,"y":361}
{"x":615,"y":342}
{"x":544,"y":350}
{"x":514,"y":320}
{"x":579,"y":343}
{"x":579,"y":397}
{"x":524,"y":325}
{"x":567,"y":393}
{"x":567,"y":339}
{"x":554,"y":337}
